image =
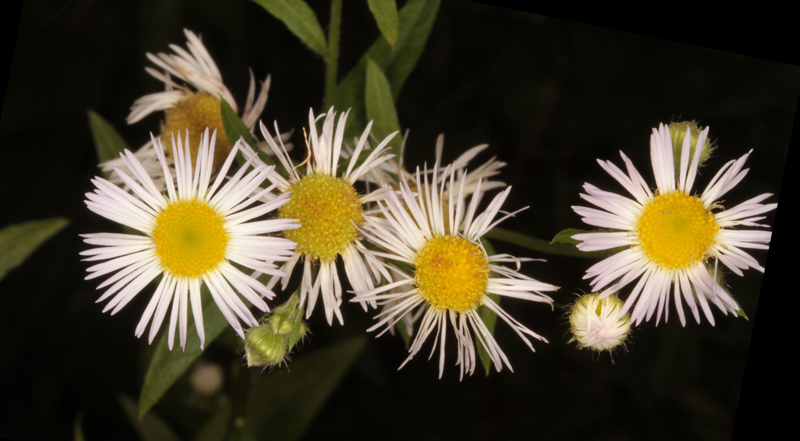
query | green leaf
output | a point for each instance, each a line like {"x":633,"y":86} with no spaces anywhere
{"x":385,"y":13}
{"x":416,"y":22}
{"x":235,"y":129}
{"x":488,"y":317}
{"x":150,"y":427}
{"x":283,"y":404}
{"x":167,"y":366}
{"x":380,"y":107}
{"x":300,"y":19}
{"x":107,"y":141}
{"x":18,"y":241}
{"x":565,"y":236}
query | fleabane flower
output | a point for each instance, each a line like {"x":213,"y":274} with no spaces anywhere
{"x":450,"y":275}
{"x":192,"y":236}
{"x":329,"y":209}
{"x":191,"y":101}
{"x":673,"y":237}
{"x":597,"y":324}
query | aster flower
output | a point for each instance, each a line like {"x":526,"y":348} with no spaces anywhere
{"x":191,"y":100}
{"x":192,"y":235}
{"x":329,"y":209}
{"x":673,"y":238}
{"x":450,"y":273}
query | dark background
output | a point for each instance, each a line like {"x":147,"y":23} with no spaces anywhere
{"x":550,"y":94}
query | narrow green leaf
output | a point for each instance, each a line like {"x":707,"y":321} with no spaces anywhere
{"x":385,"y":13}
{"x":565,"y":236}
{"x":488,"y":317}
{"x":107,"y":141}
{"x":150,"y":427}
{"x":235,"y":129}
{"x":167,"y":366}
{"x":300,"y":19}
{"x":18,"y":241}
{"x":283,"y":404}
{"x":380,"y":107}
{"x":416,"y":22}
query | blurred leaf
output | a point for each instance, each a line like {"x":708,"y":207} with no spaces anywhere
{"x":215,"y":428}
{"x":77,"y":430}
{"x":385,"y":13}
{"x":150,"y":427}
{"x":19,"y":241}
{"x":283,"y":404}
{"x":107,"y":141}
{"x":416,"y":22}
{"x":488,"y":317}
{"x":167,"y":366}
{"x":380,"y":107}
{"x":300,"y":19}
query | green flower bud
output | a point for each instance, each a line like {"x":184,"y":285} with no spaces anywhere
{"x":677,"y":131}
{"x":263,"y":347}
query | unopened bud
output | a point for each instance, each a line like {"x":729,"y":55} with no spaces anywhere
{"x":677,"y":132}
{"x":596,"y":323}
{"x":263,"y":347}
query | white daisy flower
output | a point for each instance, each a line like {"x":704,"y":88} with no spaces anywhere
{"x":449,"y":276}
{"x":193,"y":235}
{"x":329,"y":209}
{"x":670,"y":234}
{"x":191,"y":100}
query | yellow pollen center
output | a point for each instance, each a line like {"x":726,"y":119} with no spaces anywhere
{"x":676,"y":231}
{"x":452,"y":273}
{"x":196,"y":112}
{"x":327,"y":207}
{"x":190,"y":238}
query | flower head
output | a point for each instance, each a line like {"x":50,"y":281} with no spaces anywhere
{"x":451,"y":276}
{"x":192,"y":236}
{"x":673,"y":238}
{"x":596,"y":323}
{"x":330,"y":209}
{"x":191,"y":101}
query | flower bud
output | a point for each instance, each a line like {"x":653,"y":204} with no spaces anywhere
{"x":677,"y":132}
{"x":264,"y":347}
{"x":596,"y":323}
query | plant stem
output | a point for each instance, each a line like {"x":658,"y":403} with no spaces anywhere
{"x":539,"y":244}
{"x":332,"y":56}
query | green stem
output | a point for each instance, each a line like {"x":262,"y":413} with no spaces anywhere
{"x":332,"y":56}
{"x":540,"y":245}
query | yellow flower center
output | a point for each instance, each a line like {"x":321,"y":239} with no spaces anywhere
{"x":452,"y":273}
{"x":190,"y":238}
{"x":676,"y":230}
{"x":327,"y":207}
{"x":196,"y":112}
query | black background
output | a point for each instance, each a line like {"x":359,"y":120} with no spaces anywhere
{"x":550,"y":93}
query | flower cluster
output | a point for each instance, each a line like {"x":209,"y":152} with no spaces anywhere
{"x":215,"y":219}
